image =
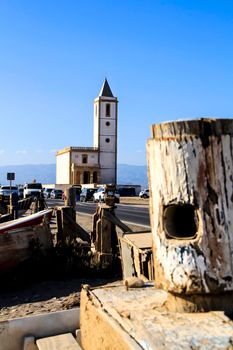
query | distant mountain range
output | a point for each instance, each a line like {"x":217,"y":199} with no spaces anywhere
{"x":46,"y":174}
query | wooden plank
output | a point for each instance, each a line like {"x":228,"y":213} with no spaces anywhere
{"x":72,"y":228}
{"x":58,"y":342}
{"x":127,"y":261}
{"x":114,"y":219}
{"x":141,"y":241}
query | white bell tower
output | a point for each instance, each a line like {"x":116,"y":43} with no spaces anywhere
{"x":105,"y":133}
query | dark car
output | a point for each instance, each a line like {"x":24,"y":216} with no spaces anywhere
{"x":5,"y":192}
{"x":20,"y":192}
{"x":47,"y":192}
{"x":87,"y":194}
{"x":56,"y":194}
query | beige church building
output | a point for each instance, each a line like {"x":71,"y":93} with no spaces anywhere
{"x":97,"y":164}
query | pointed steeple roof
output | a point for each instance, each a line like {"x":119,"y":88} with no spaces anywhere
{"x":105,"y":90}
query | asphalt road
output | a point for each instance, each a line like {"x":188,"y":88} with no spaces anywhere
{"x":131,"y":214}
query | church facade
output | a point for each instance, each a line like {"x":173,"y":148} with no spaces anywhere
{"x":97,"y":164}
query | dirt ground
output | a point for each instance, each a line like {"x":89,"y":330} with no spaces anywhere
{"x":30,"y":292}
{"x":134,"y":201}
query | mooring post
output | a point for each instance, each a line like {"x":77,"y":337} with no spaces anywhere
{"x":190,"y":167}
{"x":70,"y":197}
{"x":104,"y":236}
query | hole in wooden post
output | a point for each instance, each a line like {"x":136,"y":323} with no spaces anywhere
{"x":180,"y":221}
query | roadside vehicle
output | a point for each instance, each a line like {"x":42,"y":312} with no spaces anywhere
{"x":100,"y":193}
{"x":32,"y":190}
{"x":87,"y":194}
{"x":56,"y":194}
{"x":78,"y":190}
{"x":20,"y":192}
{"x":47,"y":192}
{"x":5,"y":192}
{"x":144,"y":193}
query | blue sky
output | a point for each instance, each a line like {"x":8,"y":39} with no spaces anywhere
{"x":164,"y":60}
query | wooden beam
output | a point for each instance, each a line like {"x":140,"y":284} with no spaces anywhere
{"x":58,"y":342}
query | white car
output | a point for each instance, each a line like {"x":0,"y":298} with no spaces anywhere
{"x":144,"y":194}
{"x":46,"y":192}
{"x":32,"y":190}
{"x":98,"y":196}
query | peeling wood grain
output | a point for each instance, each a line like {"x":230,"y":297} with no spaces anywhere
{"x":191,"y":162}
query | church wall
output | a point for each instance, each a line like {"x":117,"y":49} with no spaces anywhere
{"x":63,"y":168}
{"x":103,"y":108}
{"x":108,"y":161}
{"x":107,"y":146}
{"x":107,"y":150}
{"x":77,"y":158}
{"x":108,"y":176}
{"x":96,"y":125}
{"x":108,"y":129}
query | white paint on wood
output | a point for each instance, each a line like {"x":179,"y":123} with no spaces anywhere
{"x":187,"y":166}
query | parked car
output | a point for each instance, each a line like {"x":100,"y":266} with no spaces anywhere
{"x":56,"y":194}
{"x":47,"y":192}
{"x":20,"y":192}
{"x":87,"y":194}
{"x":98,"y":196}
{"x":33,"y":189}
{"x":144,"y":194}
{"x":5,"y":192}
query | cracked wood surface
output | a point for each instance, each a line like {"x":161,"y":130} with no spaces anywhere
{"x":111,"y":316}
{"x":191,"y":162}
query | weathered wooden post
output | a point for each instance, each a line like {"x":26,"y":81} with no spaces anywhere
{"x":190,"y":166}
{"x":104,"y":237}
{"x":70,"y":200}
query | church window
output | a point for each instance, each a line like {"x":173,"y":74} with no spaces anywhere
{"x":96,"y":110}
{"x":107,"y":123}
{"x":107,"y":140}
{"x":84,"y":158}
{"x":86,"y":177}
{"x":107,"y":110}
{"x":95,"y":176}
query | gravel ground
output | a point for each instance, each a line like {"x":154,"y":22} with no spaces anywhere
{"x":44,"y":296}
{"x":30,"y":292}
{"x":134,"y":201}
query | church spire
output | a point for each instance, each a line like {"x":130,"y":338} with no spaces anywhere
{"x":105,"y":90}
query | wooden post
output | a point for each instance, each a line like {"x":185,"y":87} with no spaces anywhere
{"x":68,"y":229}
{"x":104,"y":236}
{"x":59,"y":236}
{"x":67,"y":214}
{"x":190,"y":168}
{"x":70,"y":197}
{"x":103,"y":239}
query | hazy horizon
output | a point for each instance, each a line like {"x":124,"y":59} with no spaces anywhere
{"x":46,"y":173}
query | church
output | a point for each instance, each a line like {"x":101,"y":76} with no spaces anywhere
{"x":97,"y":164}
